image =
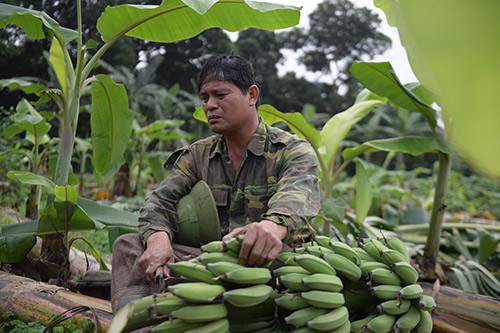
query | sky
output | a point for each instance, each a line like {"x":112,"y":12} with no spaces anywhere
{"x":396,"y":55}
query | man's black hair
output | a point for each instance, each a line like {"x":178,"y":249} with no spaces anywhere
{"x":228,"y":67}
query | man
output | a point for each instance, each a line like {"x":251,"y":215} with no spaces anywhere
{"x":264,"y":181}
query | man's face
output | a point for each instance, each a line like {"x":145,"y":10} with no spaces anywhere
{"x":227,"y":109}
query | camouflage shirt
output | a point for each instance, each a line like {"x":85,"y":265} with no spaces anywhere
{"x":277,"y":180}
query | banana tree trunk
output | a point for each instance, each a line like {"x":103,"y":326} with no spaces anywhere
{"x":30,"y":301}
{"x":461,"y":311}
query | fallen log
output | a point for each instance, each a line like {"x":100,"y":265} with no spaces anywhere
{"x":30,"y":300}
{"x":461,"y":311}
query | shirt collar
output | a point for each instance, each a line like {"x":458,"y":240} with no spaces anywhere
{"x":255,"y":146}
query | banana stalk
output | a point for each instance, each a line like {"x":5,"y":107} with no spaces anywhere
{"x":32,"y":301}
{"x":463,"y":310}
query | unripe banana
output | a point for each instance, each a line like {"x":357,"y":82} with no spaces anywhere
{"x":209,"y":257}
{"x":343,"y":265}
{"x":322,"y":240}
{"x":316,"y":250}
{"x":382,"y":323}
{"x":425,"y":324}
{"x":357,"y":325}
{"x":174,"y":326}
{"x":374,"y":248}
{"x":408,"y":320}
{"x":314,"y":264}
{"x":425,"y":302}
{"x":396,"y":244}
{"x":385,"y":291}
{"x":193,"y":272}
{"x":330,"y":321}
{"x":216,"y":326}
{"x":283,"y":270}
{"x":344,"y":328}
{"x":200,"y":313}
{"x":411,"y":291}
{"x":384,"y":276}
{"x":300,"y":317}
{"x":324,"y":282}
{"x":291,"y":302}
{"x":213,"y":246}
{"x":391,"y":256}
{"x":323,"y":299}
{"x":249,"y":296}
{"x":371,"y":265}
{"x":248,"y":276}
{"x":344,"y":250}
{"x":406,"y":272}
{"x":362,"y":255}
{"x":197,"y":292}
{"x":222,"y":267}
{"x":286,"y":258}
{"x":293,"y":281}
{"x":394,"y":306}
{"x":234,"y":244}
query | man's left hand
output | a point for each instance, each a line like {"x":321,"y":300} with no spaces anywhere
{"x":262,"y":242}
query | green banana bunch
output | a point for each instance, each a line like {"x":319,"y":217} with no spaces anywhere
{"x":391,"y":256}
{"x":384,"y":276}
{"x":409,"y":320}
{"x":283,"y":270}
{"x":314,"y":264}
{"x":286,"y":258}
{"x":233,"y":245}
{"x":324,"y":282}
{"x":211,"y":257}
{"x":216,"y":326}
{"x":385,"y":291}
{"x":330,"y":321}
{"x":368,"y":266}
{"x":193,"y":272}
{"x":359,"y":324}
{"x":345,"y":250}
{"x":396,"y":244}
{"x":374,"y":248}
{"x":425,"y":302}
{"x":301,"y":317}
{"x":293,"y":281}
{"x":200,"y":313}
{"x":290,"y":301}
{"x":247,"y":276}
{"x":394,"y":306}
{"x":362,"y":255}
{"x":249,"y":296}
{"x":382,"y":323}
{"x":197,"y":292}
{"x":425,"y":324}
{"x":175,"y":326}
{"x":323,"y":299}
{"x":219,"y":268}
{"x":343,"y":266}
{"x":406,"y":272}
{"x":213,"y":246}
{"x":316,"y":250}
{"x":411,"y":291}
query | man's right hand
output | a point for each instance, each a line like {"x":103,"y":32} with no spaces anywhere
{"x":158,"y":254}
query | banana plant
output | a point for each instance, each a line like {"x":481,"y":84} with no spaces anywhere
{"x":381,"y":80}
{"x":111,"y":119}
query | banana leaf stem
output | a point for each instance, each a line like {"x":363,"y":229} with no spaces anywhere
{"x":437,"y":215}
